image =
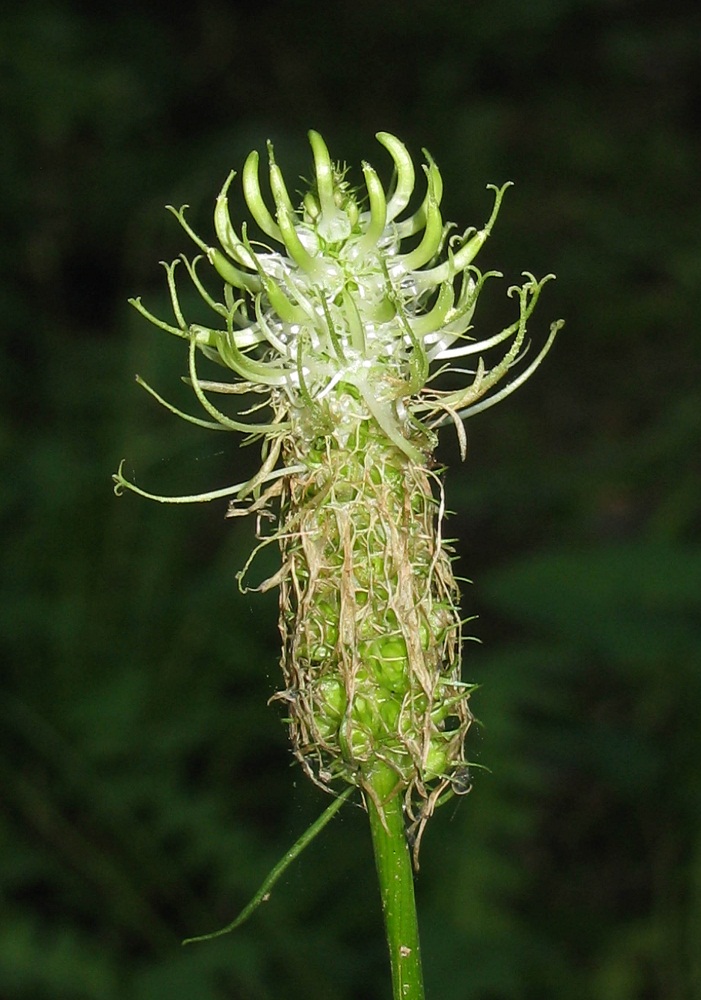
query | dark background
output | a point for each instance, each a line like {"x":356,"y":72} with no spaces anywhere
{"x":145,"y":786}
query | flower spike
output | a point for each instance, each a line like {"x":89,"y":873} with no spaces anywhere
{"x":342,"y":337}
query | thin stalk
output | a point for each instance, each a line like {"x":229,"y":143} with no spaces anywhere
{"x":396,"y":878}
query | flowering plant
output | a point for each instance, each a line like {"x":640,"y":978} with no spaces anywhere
{"x":345,"y":330}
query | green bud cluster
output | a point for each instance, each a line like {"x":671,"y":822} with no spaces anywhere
{"x":370,"y":621}
{"x":336,"y":326}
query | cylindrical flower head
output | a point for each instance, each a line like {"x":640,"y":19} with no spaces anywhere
{"x":338,"y":336}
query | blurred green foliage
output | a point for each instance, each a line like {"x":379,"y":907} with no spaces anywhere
{"x":145,"y":786}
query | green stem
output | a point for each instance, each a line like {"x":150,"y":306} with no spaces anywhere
{"x":396,"y":878}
